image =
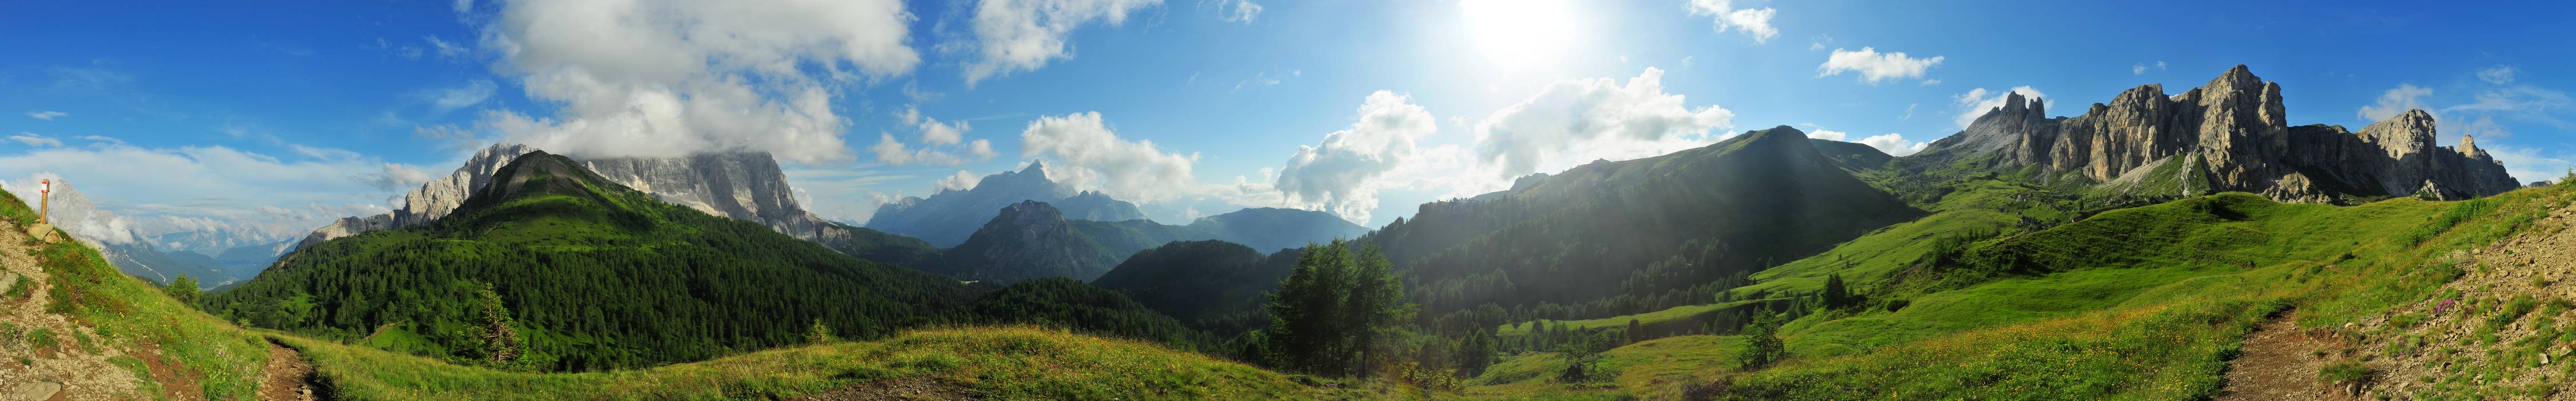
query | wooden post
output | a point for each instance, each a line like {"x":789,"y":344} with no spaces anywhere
{"x":45,"y":202}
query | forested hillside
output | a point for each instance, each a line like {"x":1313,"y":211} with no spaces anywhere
{"x":1212,"y":285}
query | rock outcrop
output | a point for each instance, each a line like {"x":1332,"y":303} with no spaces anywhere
{"x":740,"y":185}
{"x":2232,"y":133}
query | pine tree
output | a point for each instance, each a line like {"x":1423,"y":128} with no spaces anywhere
{"x":1327,"y":316}
{"x":1762,"y":344}
{"x":1836,"y":296}
{"x":502,"y":345}
{"x":818,"y":333}
{"x":1636,"y":332}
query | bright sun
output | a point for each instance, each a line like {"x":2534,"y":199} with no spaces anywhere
{"x":1520,"y":34}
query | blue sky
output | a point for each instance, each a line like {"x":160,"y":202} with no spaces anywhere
{"x":273,"y":117}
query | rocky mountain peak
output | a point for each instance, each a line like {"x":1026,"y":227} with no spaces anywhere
{"x":2236,"y":132}
{"x":741,"y":185}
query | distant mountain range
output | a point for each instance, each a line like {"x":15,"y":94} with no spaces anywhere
{"x":1033,"y":239}
{"x":947,"y":218}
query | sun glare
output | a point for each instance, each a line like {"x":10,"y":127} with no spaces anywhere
{"x":1520,"y":34}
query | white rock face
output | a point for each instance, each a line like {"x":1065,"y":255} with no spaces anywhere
{"x":429,"y":202}
{"x":745,"y":185}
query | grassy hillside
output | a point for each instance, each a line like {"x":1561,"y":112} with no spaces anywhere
{"x":169,"y":350}
{"x":72,"y":318}
{"x":1001,"y":362}
{"x":2143,"y":303}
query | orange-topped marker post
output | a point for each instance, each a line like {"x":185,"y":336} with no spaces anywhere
{"x":44,"y":201}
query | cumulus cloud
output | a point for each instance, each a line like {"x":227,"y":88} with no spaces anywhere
{"x":2531,"y":164}
{"x":2139,"y":69}
{"x":1755,"y":23}
{"x":1089,"y":156}
{"x":893,"y":151}
{"x":2502,"y":74}
{"x":34,"y":139}
{"x":942,"y":143}
{"x":665,"y":78}
{"x":2397,"y":100}
{"x":1236,"y":10}
{"x":1874,"y":66}
{"x":46,"y":115}
{"x":1021,"y":35}
{"x":1594,"y":118}
{"x":961,"y":181}
{"x":1826,"y":135}
{"x":397,"y":177}
{"x":1341,"y":175}
{"x":1893,"y":144}
{"x":1975,"y":103}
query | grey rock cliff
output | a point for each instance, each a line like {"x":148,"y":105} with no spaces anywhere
{"x":740,"y":185}
{"x":2232,"y":133}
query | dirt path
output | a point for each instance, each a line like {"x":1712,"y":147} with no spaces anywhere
{"x":66,"y":370}
{"x":288,"y":376}
{"x":2281,"y":363}
{"x":908,"y":388}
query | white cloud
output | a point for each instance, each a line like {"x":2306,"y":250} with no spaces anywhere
{"x":2160,"y":65}
{"x":942,"y":143}
{"x":34,"y":139}
{"x":2530,"y":164}
{"x":1909,"y":111}
{"x":46,"y":115}
{"x":1893,"y":144}
{"x":473,"y":92}
{"x":101,"y":139}
{"x":1818,"y":42}
{"x":1826,"y":135}
{"x":1341,"y":175}
{"x":1236,"y":10}
{"x":1977,"y":101}
{"x":171,"y":190}
{"x":2502,"y":74}
{"x":665,"y":78}
{"x":2397,"y":100}
{"x":1088,"y":155}
{"x":2526,"y":99}
{"x":1755,"y":23}
{"x":1593,"y":118}
{"x":2140,"y":69}
{"x":961,"y":181}
{"x":1874,"y":66}
{"x":397,"y":177}
{"x":1022,"y":35}
{"x":444,"y":48}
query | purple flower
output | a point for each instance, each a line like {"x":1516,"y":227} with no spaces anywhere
{"x":2446,"y":305}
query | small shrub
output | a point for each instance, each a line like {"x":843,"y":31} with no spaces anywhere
{"x":43,"y":338}
{"x":2513,"y":310}
{"x":2344,"y":372}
